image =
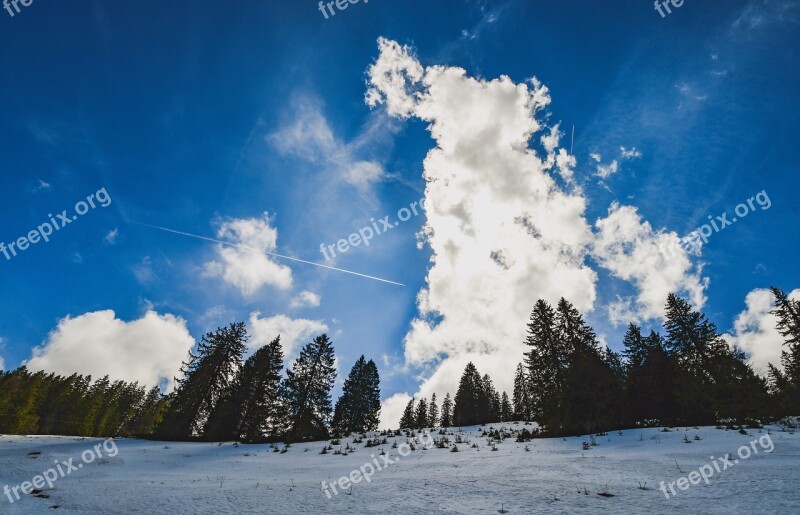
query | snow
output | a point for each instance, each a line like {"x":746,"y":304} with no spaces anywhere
{"x":166,"y":477}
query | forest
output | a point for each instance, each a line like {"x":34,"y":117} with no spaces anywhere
{"x":569,"y":384}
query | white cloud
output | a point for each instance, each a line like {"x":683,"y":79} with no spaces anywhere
{"x":606,"y":171}
{"x":656,"y":262}
{"x":306,"y":299}
{"x":42,"y":185}
{"x":754,"y":330}
{"x":496,"y":219}
{"x":631,"y":153}
{"x":246,"y":265}
{"x":149,"y":350}
{"x":393,"y":78}
{"x":111,"y":237}
{"x":293,"y":331}
{"x":597,"y":157}
{"x":503,"y":233}
{"x":144,"y":271}
{"x":392,"y":410}
{"x":310,"y":137}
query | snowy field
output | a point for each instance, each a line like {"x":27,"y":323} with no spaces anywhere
{"x":552,"y":476}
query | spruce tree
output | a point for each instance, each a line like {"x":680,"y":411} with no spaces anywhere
{"x":253,"y":407}
{"x":408,"y":420}
{"x":421,"y":416}
{"x":358,"y":409}
{"x":308,"y":385}
{"x":491,"y":401}
{"x":542,"y":360}
{"x":788,"y":313}
{"x":521,"y":395}
{"x":787,"y":384}
{"x":446,"y":419}
{"x":691,"y":337}
{"x":207,"y":377}
{"x":506,"y":410}
{"x":264,"y":409}
{"x":473,"y":403}
{"x":433,"y":412}
{"x":636,"y":347}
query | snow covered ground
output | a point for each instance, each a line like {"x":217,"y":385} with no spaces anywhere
{"x":553,"y":476}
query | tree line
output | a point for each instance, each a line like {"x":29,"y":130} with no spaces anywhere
{"x":220,"y":396}
{"x":687,"y":376}
{"x":566,"y":382}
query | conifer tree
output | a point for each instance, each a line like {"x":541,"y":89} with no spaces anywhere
{"x":264,"y":410}
{"x":308,"y":386}
{"x":542,"y":360}
{"x":521,"y":395}
{"x":787,"y":384}
{"x":254,"y":407}
{"x":506,"y":410}
{"x":421,"y":416}
{"x":433,"y":412}
{"x":358,"y":409}
{"x":491,"y":401}
{"x":476,"y":399}
{"x":408,"y":420}
{"x":636,"y":347}
{"x":447,"y":412}
{"x":207,"y":377}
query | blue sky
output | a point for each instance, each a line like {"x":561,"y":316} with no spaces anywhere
{"x":203,"y":118}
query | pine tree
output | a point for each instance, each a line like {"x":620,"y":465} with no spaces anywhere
{"x":590,"y":396}
{"x":264,"y":411}
{"x":207,"y":377}
{"x":691,"y":337}
{"x":542,"y":360}
{"x":506,"y":410}
{"x":788,"y":313}
{"x":446,"y":419}
{"x":145,"y":419}
{"x":408,"y":420}
{"x":358,"y":409}
{"x":649,"y":381}
{"x":254,"y":407}
{"x":476,"y":399}
{"x":636,"y":347}
{"x":433,"y":412}
{"x":521,"y":395}
{"x":308,"y":386}
{"x":787,"y":384}
{"x":491,"y":403}
{"x":700,"y":353}
{"x":421,"y":416}
{"x":371,"y":400}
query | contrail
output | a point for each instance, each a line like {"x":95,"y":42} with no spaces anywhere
{"x":173,"y":231}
